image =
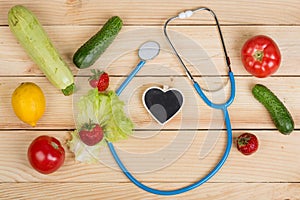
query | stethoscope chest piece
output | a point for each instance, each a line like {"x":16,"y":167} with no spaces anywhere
{"x":152,"y":97}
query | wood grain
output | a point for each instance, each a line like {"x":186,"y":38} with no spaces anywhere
{"x":188,"y":146}
{"x":209,"y":191}
{"x":121,"y":56}
{"x":161,"y":156}
{"x":157,"y":12}
{"x":60,"y":110}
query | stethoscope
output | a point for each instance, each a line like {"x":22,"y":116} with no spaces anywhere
{"x":148,"y":51}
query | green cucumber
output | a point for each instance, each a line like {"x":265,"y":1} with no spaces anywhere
{"x":279,"y":113}
{"x":91,"y":50}
{"x":31,"y":35}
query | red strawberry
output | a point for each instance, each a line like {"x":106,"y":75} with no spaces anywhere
{"x":99,"y":79}
{"x":247,"y":143}
{"x":103,"y":82}
{"x":91,"y":133}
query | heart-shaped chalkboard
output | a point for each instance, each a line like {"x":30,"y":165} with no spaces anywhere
{"x":162,"y":104}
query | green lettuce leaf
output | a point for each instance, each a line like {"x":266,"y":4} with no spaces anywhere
{"x":107,"y":110}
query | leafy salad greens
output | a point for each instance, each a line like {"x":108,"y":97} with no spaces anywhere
{"x":107,"y":110}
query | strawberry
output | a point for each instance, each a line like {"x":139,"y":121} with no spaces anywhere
{"x":247,"y":143}
{"x":99,"y":79}
{"x":91,"y":133}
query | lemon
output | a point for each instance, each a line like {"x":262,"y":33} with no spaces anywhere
{"x":28,"y":102}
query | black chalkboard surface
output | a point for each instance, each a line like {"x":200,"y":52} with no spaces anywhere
{"x":163,"y":105}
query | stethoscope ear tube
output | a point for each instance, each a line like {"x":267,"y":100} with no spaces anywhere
{"x":222,"y":107}
{"x":214,"y":105}
{"x":188,"y":14}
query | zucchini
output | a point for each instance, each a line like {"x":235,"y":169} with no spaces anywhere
{"x":92,"y":49}
{"x":279,"y":113}
{"x":31,"y":35}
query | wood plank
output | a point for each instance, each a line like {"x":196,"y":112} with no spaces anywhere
{"x":195,"y":114}
{"x":121,"y":56}
{"x":209,"y":191}
{"x":164,"y":156}
{"x":58,"y":112}
{"x":182,"y":151}
{"x":141,"y":12}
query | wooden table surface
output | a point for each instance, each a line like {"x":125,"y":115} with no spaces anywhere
{"x":271,"y":173}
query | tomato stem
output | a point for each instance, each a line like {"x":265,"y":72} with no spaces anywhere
{"x":258,"y":55}
{"x":55,"y":146}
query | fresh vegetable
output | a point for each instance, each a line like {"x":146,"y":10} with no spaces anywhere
{"x":261,"y":56}
{"x":28,"y":102}
{"x":46,"y":154}
{"x":99,"y":79}
{"x":31,"y":35}
{"x":279,"y":113}
{"x":247,"y":143}
{"x":91,"y":50}
{"x":105,"y":109}
{"x":91,"y":133}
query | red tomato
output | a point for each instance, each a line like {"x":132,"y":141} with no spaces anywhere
{"x":261,"y":56}
{"x":46,"y":154}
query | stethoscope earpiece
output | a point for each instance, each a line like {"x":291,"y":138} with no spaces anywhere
{"x":222,"y":107}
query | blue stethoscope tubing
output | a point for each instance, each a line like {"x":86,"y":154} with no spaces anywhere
{"x":198,"y":89}
{"x":130,"y":77}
